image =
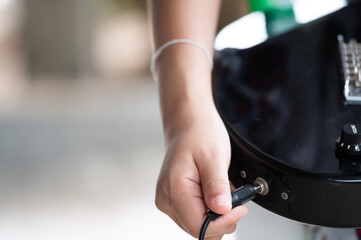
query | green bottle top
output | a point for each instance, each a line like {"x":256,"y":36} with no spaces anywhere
{"x":279,"y":14}
{"x":266,"y":5}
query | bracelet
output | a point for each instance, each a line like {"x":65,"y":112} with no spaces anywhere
{"x":159,"y":51}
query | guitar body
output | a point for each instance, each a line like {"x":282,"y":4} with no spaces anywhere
{"x":283,"y":105}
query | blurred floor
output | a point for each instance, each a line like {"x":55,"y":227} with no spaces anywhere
{"x":79,"y":160}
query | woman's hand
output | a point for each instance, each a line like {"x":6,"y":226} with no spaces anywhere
{"x":194,"y":172}
{"x":194,"y":175}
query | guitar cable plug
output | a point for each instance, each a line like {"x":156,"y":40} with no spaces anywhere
{"x":239,"y":196}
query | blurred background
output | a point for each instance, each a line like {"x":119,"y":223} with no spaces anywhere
{"x":80,"y":133}
{"x":81,"y":141}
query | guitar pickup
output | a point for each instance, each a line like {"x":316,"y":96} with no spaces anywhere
{"x":351,"y":67}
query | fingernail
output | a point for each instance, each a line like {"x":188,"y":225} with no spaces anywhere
{"x":221,"y":200}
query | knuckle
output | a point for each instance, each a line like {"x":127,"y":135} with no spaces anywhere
{"x":158,"y":203}
{"x":209,"y":153}
{"x":167,"y":190}
{"x":162,"y":189}
{"x":162,"y":196}
{"x":179,"y":184}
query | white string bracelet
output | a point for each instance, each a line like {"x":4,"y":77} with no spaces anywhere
{"x":159,"y":51}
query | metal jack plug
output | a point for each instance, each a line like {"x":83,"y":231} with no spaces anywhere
{"x":248,"y":192}
{"x":239,"y":196}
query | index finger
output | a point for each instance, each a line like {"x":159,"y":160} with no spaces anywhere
{"x":191,"y":211}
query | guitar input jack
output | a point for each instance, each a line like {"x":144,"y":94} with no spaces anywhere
{"x":261,"y":186}
{"x":239,"y":196}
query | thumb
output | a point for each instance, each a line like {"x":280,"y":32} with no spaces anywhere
{"x":215,"y":186}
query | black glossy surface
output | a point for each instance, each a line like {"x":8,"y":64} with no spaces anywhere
{"x":283,"y":97}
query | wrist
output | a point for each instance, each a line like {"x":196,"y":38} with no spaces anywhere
{"x":184,"y":92}
{"x":186,"y":114}
{"x":185,"y":88}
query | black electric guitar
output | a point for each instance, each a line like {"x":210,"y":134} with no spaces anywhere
{"x":292,"y":106}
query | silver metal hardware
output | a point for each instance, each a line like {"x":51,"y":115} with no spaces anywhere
{"x":243,"y":174}
{"x":264,"y":188}
{"x":351,"y":66}
{"x":284,"y":196}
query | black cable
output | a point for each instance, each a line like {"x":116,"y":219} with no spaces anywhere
{"x":211,"y":216}
{"x":204,"y":227}
{"x":239,"y":196}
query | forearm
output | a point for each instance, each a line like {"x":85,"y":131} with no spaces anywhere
{"x":194,"y":174}
{"x":182,"y":70}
